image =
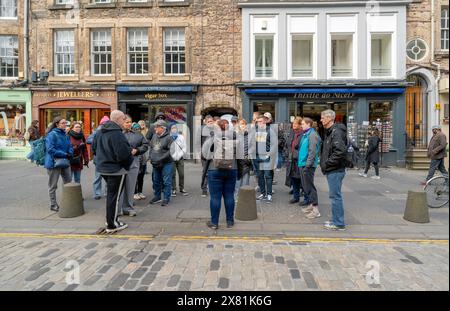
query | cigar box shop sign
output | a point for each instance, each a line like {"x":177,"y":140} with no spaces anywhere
{"x":324,"y":95}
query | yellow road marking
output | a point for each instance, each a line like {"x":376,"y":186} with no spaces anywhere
{"x":223,"y":238}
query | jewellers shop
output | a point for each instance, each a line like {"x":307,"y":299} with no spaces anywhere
{"x":87,"y":106}
{"x":361,"y":107}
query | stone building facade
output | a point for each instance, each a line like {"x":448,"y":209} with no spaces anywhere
{"x":204,"y":33}
{"x":427,"y":69}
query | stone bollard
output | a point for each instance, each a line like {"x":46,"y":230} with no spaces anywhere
{"x":416,"y":207}
{"x":246,"y":207}
{"x":72,"y":201}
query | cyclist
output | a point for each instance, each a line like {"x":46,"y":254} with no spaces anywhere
{"x":437,"y":153}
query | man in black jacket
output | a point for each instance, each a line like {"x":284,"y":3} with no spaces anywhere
{"x":113,"y":158}
{"x":332,"y":163}
{"x":162,"y":163}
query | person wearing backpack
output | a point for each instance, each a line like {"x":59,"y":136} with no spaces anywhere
{"x":333,"y":159}
{"x":31,"y":136}
{"x":220,"y":152}
{"x":80,"y":153}
{"x":58,"y":153}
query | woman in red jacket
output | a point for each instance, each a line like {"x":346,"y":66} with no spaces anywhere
{"x":80,"y":152}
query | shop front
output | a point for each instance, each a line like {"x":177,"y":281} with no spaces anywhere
{"x":86,"y":106}
{"x":177,"y":103}
{"x":15,"y":118}
{"x":360,"y":108}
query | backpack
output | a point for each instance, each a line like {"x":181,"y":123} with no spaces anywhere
{"x":39,"y":151}
{"x":222,"y":162}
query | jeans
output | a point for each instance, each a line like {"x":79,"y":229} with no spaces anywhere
{"x":281,"y":160}
{"x":335,"y":180}
{"x":296,"y":184}
{"x":178,"y":166}
{"x":244,"y":181}
{"x":97,"y":185}
{"x":221,"y":184}
{"x":265,"y":181}
{"x":76,"y":176}
{"x":162,"y":181}
{"x":437,"y":165}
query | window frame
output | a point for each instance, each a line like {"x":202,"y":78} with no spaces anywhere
{"x":55,"y":53}
{"x":253,"y":35}
{"x":128,"y":52}
{"x":14,"y":57}
{"x":164,"y":52}
{"x":444,"y":7}
{"x":16,"y":2}
{"x":92,"y":53}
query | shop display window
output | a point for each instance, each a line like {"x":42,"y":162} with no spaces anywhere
{"x":174,"y":114}
{"x":381,"y":117}
{"x":12,"y":124}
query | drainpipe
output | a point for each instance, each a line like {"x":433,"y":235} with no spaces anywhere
{"x":433,"y":63}
{"x":26,"y":39}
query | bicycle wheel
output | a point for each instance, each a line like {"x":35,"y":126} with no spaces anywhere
{"x":437,"y":192}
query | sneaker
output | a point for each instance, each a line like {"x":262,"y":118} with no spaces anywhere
{"x":142,"y":196}
{"x":137,"y":197}
{"x":155,"y":201}
{"x":212,"y":226}
{"x":97,"y":198}
{"x":333,"y":227}
{"x":165,"y":203}
{"x":375,"y":177}
{"x":121,"y":227}
{"x":174,"y":193}
{"x":329,"y":222}
{"x":131,"y":213}
{"x":204,"y":193}
{"x":269,"y":199}
{"x":293,"y":201}
{"x":308,"y":209}
{"x":257,"y":189}
{"x":230,"y":224}
{"x":184,"y":192}
{"x":314,"y":213}
{"x":363,"y":175}
{"x":261,"y":197}
{"x":274,"y":183}
{"x":54,"y":208}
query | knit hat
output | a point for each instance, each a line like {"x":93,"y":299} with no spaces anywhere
{"x":136,"y":126}
{"x":104,"y":120}
{"x":161,"y":123}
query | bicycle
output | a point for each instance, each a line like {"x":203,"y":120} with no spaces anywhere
{"x":436,"y":190}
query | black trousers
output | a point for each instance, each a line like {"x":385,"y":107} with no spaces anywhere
{"x":115,"y":186}
{"x":307,"y":175}
{"x":375,"y":165}
{"x":204,"y":184}
{"x":140,"y":179}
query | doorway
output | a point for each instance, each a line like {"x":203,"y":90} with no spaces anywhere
{"x":265,"y":106}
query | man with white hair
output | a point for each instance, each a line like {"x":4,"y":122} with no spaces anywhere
{"x":332,"y":163}
{"x":437,"y":153}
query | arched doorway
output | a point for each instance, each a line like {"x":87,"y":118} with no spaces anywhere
{"x":416,"y":112}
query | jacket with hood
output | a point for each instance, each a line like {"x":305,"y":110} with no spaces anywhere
{"x":58,"y":146}
{"x":309,"y":149}
{"x":178,"y":149}
{"x":334,"y":149}
{"x":160,"y":149}
{"x":111,"y":149}
{"x":151,"y":129}
{"x":136,"y":141}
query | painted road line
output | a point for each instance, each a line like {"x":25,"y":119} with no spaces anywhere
{"x":77,"y":236}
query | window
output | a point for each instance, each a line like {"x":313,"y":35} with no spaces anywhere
{"x":101,"y":52}
{"x":264,"y":56}
{"x":137,"y":51}
{"x":101,"y":1}
{"x":444,"y":28}
{"x":416,"y":49}
{"x":9,"y":56}
{"x":8,"y":8}
{"x":64,"y":52}
{"x":342,"y":55}
{"x":381,"y":116}
{"x":63,"y":2}
{"x":302,"y":56}
{"x":137,"y":1}
{"x":174,"y":51}
{"x":12,"y":123}
{"x":381,"y":58}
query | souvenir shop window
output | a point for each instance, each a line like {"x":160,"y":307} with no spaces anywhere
{"x":174,"y":114}
{"x":381,"y":117}
{"x":12,"y":124}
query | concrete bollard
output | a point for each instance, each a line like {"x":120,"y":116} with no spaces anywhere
{"x":416,"y":207}
{"x":72,"y":201}
{"x":246,"y":208}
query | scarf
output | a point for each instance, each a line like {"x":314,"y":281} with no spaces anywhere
{"x":79,"y":136}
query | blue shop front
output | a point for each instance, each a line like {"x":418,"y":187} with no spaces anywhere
{"x":360,"y":106}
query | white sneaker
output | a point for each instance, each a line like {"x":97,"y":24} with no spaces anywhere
{"x":261,"y":197}
{"x":363,"y":175}
{"x":143,"y":197}
{"x":121,"y":227}
{"x":269,"y":199}
{"x":308,"y":209}
{"x":375,"y":177}
{"x":314,"y":213}
{"x":137,"y":197}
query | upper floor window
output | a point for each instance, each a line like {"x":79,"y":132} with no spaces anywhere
{"x":137,"y":1}
{"x":303,"y":30}
{"x":64,"y":52}
{"x":381,"y":58}
{"x":101,"y":1}
{"x":174,"y":51}
{"x":416,"y":49}
{"x":342,"y":46}
{"x":8,"y":8}
{"x":137,"y":51}
{"x":101,"y":52}
{"x":263,"y":48}
{"x":444,"y":28}
{"x":9,"y":56}
{"x":63,"y":2}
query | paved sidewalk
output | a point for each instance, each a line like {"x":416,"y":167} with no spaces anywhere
{"x":374,"y":208}
{"x":176,"y":264}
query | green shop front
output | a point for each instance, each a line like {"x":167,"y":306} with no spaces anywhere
{"x":15,"y":118}
{"x":361,"y":107}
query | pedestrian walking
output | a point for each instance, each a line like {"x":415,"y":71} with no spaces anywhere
{"x":80,"y":153}
{"x":220,"y":150}
{"x":59,"y":151}
{"x":178,"y":152}
{"x":162,"y":163}
{"x":373,"y":154}
{"x":332,"y":163}
{"x":139,"y":147}
{"x":114,"y":159}
{"x":97,"y":183}
{"x":207,"y":131}
{"x":437,"y":152}
{"x":308,"y":160}
{"x":31,"y":136}
{"x":244,"y":162}
{"x":293,"y":170}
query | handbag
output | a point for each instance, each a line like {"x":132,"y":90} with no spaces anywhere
{"x":62,"y":163}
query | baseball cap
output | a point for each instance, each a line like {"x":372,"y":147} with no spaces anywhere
{"x":161,"y":123}
{"x":436,"y":127}
{"x":234,"y":118}
{"x":268,"y":115}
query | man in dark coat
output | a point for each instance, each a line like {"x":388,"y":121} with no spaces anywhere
{"x":437,"y":152}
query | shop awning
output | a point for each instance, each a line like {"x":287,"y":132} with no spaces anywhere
{"x":174,"y":89}
{"x":325,"y":91}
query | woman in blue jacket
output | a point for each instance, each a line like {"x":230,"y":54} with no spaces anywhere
{"x":57,"y":155}
{"x":308,"y":159}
